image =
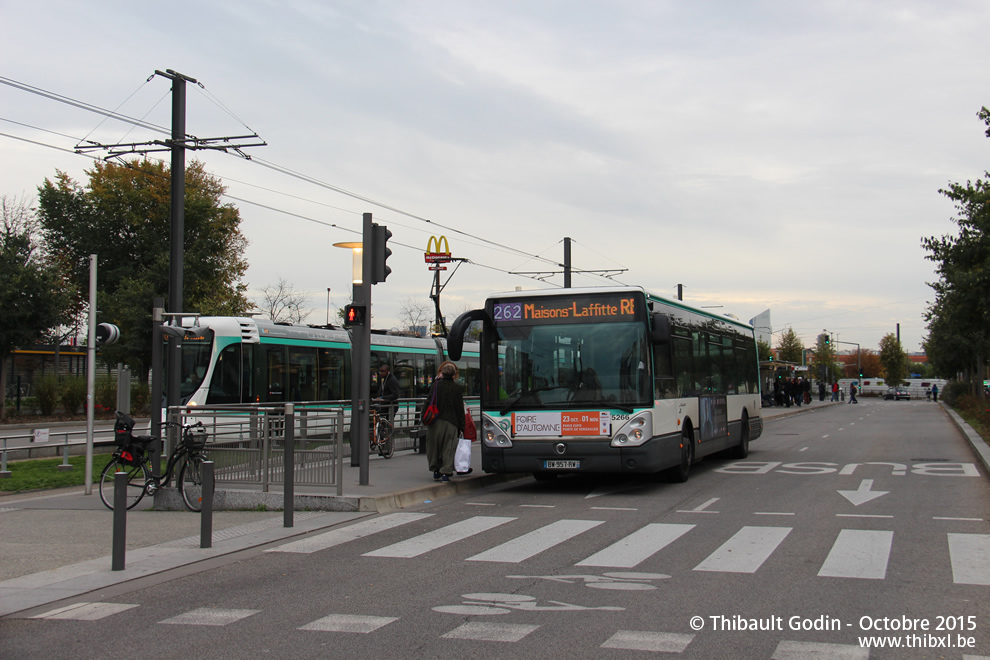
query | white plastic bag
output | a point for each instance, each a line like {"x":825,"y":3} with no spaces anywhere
{"x":462,"y":457}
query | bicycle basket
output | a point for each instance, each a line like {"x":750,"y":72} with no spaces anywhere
{"x":132,"y":454}
{"x":122,"y":429}
{"x":194,"y":437}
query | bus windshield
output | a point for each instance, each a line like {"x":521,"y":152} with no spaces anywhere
{"x":573,"y":365}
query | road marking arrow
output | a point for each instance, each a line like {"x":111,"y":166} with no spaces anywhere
{"x":863,"y":493}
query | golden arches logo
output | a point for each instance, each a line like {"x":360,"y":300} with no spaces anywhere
{"x":437,"y":250}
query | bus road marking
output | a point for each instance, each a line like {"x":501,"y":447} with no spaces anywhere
{"x":960,"y":519}
{"x":772,"y":513}
{"x":612,"y":508}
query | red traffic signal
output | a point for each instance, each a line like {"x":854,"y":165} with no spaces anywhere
{"x":354,"y":315}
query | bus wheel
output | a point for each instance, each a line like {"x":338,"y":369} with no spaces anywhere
{"x":742,"y":449}
{"x":679,"y":473}
{"x":544,"y":476}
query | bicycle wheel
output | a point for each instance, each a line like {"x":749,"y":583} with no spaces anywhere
{"x":137,"y":475}
{"x":191,"y":483}
{"x":386,"y":444}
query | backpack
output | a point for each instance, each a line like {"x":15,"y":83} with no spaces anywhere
{"x":431,"y":412}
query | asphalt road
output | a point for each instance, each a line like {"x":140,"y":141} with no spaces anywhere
{"x":850,"y":522}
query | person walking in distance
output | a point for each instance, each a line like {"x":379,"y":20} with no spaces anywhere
{"x":852,"y":393}
{"x":935,"y":393}
{"x":441,"y":435}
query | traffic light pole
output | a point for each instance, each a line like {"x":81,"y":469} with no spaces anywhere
{"x":361,"y":360}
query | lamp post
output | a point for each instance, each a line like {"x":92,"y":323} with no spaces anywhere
{"x":328,"y":307}
{"x":360,"y":352}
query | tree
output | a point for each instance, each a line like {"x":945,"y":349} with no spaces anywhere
{"x":282,"y":304}
{"x":123,"y":216}
{"x":959,"y":318}
{"x":763,"y":350}
{"x":32,"y":285}
{"x":893,"y":358}
{"x":790,"y":348}
{"x":869,"y":364}
{"x":824,"y":363}
{"x":415,"y":316}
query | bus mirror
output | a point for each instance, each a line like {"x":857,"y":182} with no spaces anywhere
{"x":660,"y":330}
{"x":455,"y":339}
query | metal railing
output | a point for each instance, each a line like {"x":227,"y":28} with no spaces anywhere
{"x":247,"y":444}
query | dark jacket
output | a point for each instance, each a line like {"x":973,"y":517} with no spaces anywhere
{"x":389,"y":389}
{"x":450,"y":402}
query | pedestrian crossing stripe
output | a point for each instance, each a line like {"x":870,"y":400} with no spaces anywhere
{"x":855,"y":553}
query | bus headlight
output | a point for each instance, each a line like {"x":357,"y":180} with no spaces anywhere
{"x":493,"y":435}
{"x":635,"y":432}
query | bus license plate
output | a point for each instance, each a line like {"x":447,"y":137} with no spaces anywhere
{"x":566,"y":465}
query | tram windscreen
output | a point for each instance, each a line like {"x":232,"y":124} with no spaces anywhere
{"x":196,"y":352}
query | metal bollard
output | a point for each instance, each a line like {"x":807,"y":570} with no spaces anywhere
{"x":289,"y":467}
{"x":4,"y":472}
{"x":119,"y":521}
{"x":206,"y":512}
{"x":65,"y":456}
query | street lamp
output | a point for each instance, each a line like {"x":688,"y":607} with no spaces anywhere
{"x":357,"y":259}
{"x":328,"y":307}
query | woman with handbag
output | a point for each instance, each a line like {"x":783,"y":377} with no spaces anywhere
{"x":443,"y":432}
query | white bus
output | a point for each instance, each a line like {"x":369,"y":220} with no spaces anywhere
{"x":610,"y":380}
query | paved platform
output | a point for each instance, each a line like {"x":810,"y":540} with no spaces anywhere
{"x":57,"y":545}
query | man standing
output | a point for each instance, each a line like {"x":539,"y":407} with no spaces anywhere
{"x":388,"y":390}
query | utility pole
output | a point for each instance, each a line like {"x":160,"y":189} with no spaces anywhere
{"x":567,"y":262}
{"x":177,"y":230}
{"x":177,"y":145}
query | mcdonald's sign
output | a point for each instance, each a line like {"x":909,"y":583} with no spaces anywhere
{"x":437,"y":250}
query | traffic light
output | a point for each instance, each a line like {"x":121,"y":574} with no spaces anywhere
{"x":354,"y":315}
{"x":380,"y":253}
{"x":107,"y":333}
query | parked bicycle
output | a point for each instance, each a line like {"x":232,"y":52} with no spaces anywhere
{"x":381,"y":433}
{"x":131,"y":457}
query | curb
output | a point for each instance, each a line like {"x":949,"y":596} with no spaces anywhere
{"x":168,"y":499}
{"x":975,"y":441}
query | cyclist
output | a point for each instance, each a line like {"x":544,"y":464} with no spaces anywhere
{"x":388,"y":390}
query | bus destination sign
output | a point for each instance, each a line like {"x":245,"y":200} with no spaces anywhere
{"x":569,"y":309}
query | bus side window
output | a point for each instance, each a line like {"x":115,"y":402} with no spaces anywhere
{"x":683,"y":367}
{"x":664,"y":385}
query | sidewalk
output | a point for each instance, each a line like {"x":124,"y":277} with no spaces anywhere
{"x":56,"y":545}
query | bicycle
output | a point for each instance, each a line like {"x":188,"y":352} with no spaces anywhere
{"x":381,"y":433}
{"x":131,"y":457}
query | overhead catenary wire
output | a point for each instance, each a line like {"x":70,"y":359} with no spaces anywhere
{"x":273,"y":166}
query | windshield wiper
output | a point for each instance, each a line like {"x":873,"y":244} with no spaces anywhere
{"x":508,"y":405}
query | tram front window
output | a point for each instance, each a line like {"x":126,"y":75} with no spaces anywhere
{"x":196,"y":352}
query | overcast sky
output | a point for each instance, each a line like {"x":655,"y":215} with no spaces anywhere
{"x":781,"y":154}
